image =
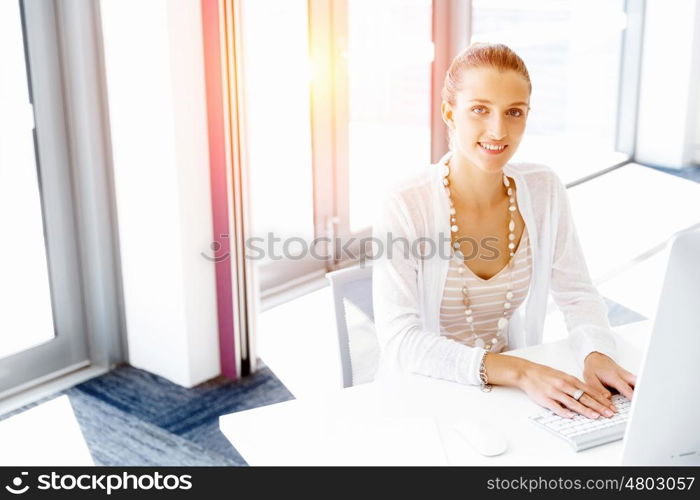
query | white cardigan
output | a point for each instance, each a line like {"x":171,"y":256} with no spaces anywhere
{"x":407,"y":287}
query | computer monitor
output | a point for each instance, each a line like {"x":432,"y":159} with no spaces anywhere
{"x":664,"y":421}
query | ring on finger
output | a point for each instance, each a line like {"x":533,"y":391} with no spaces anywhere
{"x":577,"y":395}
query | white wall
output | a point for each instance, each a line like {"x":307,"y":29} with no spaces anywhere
{"x":691,"y":154}
{"x":155,"y":76}
{"x":695,"y":149}
{"x":696,"y":152}
{"x":668,"y":104}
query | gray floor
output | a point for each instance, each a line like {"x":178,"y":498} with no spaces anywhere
{"x":132,"y":417}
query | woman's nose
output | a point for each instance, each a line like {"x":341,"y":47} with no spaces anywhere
{"x":497,"y":128}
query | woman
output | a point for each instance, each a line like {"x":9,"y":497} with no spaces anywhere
{"x":495,"y":238}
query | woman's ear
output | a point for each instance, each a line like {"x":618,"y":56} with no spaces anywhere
{"x":446,"y":111}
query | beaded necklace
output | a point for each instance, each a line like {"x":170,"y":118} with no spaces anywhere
{"x":503,"y":321}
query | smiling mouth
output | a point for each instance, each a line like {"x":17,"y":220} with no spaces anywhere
{"x":492,"y":149}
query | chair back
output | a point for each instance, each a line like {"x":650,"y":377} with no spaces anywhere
{"x":358,"y":346}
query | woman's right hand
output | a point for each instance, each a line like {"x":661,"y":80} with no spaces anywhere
{"x":554,"y":389}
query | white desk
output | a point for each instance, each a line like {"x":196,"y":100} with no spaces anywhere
{"x":409,"y":422}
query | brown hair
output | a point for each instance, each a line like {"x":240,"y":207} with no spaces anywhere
{"x":480,"y":55}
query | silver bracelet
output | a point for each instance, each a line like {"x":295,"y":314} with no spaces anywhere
{"x":485,"y":386}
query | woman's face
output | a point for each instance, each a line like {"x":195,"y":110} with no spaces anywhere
{"x":491,"y":109}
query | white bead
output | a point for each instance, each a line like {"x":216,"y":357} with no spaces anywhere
{"x":510,"y":191}
{"x":502,"y":323}
{"x":511,"y":208}
{"x":468,"y":312}
{"x":506,"y":182}
{"x":445,"y":169}
{"x":453,"y":211}
{"x":460,"y":270}
{"x":512,"y":254}
{"x":479,"y":343}
{"x":445,"y":181}
{"x":456,"y":245}
{"x":511,"y":245}
{"x":453,"y":219}
{"x":512,"y":200}
{"x":511,"y":226}
{"x":465,"y":291}
{"x":470,"y":319}
{"x":511,"y":236}
{"x":455,"y":228}
{"x":509,"y":295}
{"x":506,"y":305}
{"x":494,"y":340}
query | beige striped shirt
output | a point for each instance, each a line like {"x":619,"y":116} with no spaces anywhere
{"x":486,"y":298}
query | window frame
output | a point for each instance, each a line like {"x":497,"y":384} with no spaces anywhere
{"x":67,"y":88}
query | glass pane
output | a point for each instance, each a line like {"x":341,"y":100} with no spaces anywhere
{"x":25,"y":302}
{"x":390,"y":52}
{"x":277,"y":121}
{"x":572,"y":51}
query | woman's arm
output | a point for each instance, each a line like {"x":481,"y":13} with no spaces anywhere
{"x":403,"y":341}
{"x":584,"y":310}
{"x":586,"y":318}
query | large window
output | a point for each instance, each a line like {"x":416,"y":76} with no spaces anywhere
{"x":573,"y":52}
{"x":25,"y":301}
{"x":277,"y":128}
{"x":42,"y":329}
{"x":332,"y":117}
{"x":389,"y":54}
{"x":58,"y":303}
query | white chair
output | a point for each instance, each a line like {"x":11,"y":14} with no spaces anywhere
{"x":358,"y":346}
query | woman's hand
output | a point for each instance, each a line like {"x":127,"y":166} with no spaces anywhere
{"x":554,"y":390}
{"x":600,"y":371}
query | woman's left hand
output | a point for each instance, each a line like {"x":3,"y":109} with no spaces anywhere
{"x":600,"y":371}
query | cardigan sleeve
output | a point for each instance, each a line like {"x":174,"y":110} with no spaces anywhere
{"x":405,"y":345}
{"x":584,"y":310}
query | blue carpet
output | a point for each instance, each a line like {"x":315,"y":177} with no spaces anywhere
{"x":690,"y":173}
{"x":130,"y":417}
{"x":619,"y":315}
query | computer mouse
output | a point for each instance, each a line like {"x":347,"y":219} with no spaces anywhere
{"x":483,"y":439}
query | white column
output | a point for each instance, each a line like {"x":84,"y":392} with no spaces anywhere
{"x":668,"y":103}
{"x":155,"y":77}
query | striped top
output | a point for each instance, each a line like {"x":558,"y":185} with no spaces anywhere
{"x":486,"y":298}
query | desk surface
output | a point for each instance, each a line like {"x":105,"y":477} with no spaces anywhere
{"x":410,"y":422}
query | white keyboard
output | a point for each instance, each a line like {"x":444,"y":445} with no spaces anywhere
{"x":583,"y":432}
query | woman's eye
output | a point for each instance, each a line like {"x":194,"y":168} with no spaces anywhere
{"x":480,"y":110}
